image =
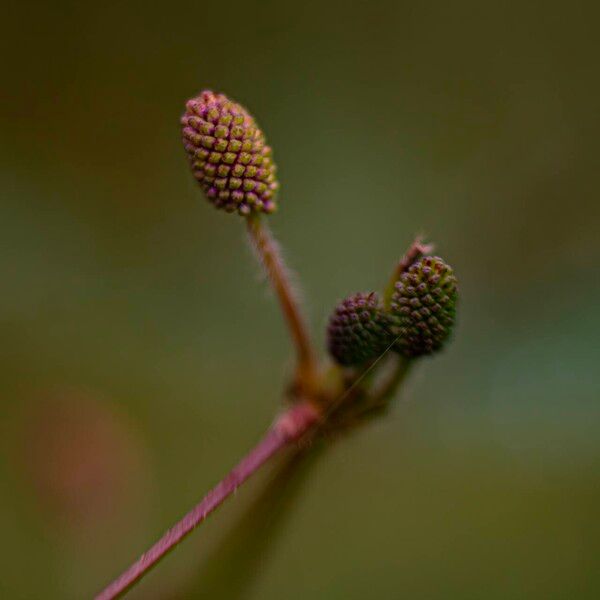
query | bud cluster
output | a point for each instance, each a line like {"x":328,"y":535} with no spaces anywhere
{"x":228,"y":155}
{"x":424,"y":306}
{"x":418,"y":322}
{"x":233,"y":164}
{"x":358,"y":329}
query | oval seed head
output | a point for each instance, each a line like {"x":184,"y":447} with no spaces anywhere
{"x":424,"y":306}
{"x":358,"y":329}
{"x":228,"y":155}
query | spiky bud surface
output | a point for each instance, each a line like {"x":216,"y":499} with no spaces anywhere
{"x":424,"y":306}
{"x":228,"y":155}
{"x":358,"y":329}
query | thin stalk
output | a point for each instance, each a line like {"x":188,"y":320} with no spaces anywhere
{"x":267,"y":248}
{"x":288,"y":428}
{"x":395,"y":378}
{"x":378,"y":399}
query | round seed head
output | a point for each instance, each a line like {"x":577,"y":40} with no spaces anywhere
{"x":424,"y":306}
{"x":358,"y":329}
{"x":228,"y":155}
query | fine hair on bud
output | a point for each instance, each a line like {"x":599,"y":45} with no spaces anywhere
{"x":228,"y":155}
{"x":358,"y":329}
{"x":423,"y":307}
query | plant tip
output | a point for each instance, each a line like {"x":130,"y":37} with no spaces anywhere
{"x":228,"y":155}
{"x":423,"y":306}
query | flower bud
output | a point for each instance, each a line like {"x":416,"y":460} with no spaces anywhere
{"x":228,"y":155}
{"x":358,"y":329}
{"x":423,"y":306}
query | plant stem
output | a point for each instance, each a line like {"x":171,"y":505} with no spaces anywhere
{"x":267,"y":248}
{"x":396,"y":377}
{"x":288,"y":428}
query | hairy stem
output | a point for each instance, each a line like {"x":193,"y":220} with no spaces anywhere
{"x":288,"y":428}
{"x":267,"y":248}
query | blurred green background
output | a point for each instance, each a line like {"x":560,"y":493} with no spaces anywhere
{"x":141,"y":355}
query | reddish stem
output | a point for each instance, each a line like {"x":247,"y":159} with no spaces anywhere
{"x":288,"y":428}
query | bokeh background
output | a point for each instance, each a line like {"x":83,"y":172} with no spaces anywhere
{"x":141,"y":355}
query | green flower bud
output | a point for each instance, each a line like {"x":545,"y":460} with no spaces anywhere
{"x":228,"y":155}
{"x":358,"y":329}
{"x":423,"y":306}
